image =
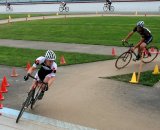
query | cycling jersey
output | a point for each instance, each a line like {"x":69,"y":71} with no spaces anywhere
{"x":44,"y":70}
{"x":145,"y":32}
{"x":109,"y":1}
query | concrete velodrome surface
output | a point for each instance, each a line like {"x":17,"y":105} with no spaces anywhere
{"x":81,"y":99}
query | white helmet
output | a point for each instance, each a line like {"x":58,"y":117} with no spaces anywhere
{"x":140,"y":24}
{"x":50,"y":55}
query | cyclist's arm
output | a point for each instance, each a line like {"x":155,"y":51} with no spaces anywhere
{"x":38,"y":61}
{"x":129,"y":35}
{"x":31,"y":70}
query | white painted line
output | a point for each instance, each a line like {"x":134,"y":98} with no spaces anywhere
{"x":45,"y":120}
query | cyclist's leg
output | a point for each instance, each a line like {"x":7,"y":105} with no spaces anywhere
{"x":146,"y":43}
{"x":143,"y":47}
{"x":48,"y":79}
{"x":109,"y":5}
{"x":34,"y":83}
{"x":138,"y":53}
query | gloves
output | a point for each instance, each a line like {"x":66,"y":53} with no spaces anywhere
{"x":124,"y":41}
{"x":26,"y":77}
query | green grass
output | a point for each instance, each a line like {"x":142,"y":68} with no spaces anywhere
{"x":19,"y":57}
{"x":92,"y":30}
{"x":6,"y":16}
{"x":146,"y":78}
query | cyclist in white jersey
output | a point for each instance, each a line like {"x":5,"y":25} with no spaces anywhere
{"x":47,"y":71}
{"x":63,"y":4}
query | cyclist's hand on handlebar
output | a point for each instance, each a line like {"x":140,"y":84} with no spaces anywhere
{"x":124,"y":41}
{"x":26,"y":77}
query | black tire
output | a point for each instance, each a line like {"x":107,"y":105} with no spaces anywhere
{"x":124,"y":58}
{"x":105,"y":8}
{"x":66,"y":9}
{"x":25,"y":105}
{"x":35,"y":95}
{"x":60,"y":9}
{"x":32,"y":100}
{"x":151,"y":54}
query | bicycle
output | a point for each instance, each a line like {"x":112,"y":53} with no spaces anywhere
{"x":32,"y":96}
{"x":124,"y":59}
{"x":9,"y":8}
{"x":106,"y":8}
{"x":62,"y":8}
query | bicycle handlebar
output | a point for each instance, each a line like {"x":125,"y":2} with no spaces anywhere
{"x":127,"y":44}
{"x":37,"y":79}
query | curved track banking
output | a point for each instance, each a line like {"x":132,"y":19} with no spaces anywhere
{"x":81,"y":97}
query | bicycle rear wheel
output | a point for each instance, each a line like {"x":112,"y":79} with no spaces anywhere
{"x":25,"y":105}
{"x":150,"y":54}
{"x":123,"y":60}
{"x":66,"y":9}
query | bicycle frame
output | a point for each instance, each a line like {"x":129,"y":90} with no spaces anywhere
{"x":130,"y":48}
{"x":41,"y":83}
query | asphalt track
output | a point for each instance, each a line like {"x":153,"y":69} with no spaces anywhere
{"x":81,"y":96}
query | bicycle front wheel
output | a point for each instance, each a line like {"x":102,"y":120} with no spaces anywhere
{"x":25,"y":105}
{"x":35,"y":95}
{"x":150,"y":54}
{"x":123,"y":60}
{"x":60,"y":9}
{"x":105,"y":8}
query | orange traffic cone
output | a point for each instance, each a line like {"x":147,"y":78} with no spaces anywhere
{"x":1,"y":96}
{"x":28,"y":66}
{"x":5,"y":81}
{"x":3,"y":88}
{"x":1,"y":105}
{"x":113,"y":52}
{"x":62,"y":60}
{"x":14,"y":73}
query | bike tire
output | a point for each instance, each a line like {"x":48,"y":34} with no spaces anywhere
{"x":154,"y":54}
{"x":105,"y":8}
{"x":25,"y":105}
{"x":60,"y":9}
{"x":124,"y":56}
{"x":35,"y":95}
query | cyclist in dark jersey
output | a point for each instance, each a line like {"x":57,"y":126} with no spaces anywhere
{"x":8,"y":5}
{"x":109,"y":2}
{"x":146,"y":37}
